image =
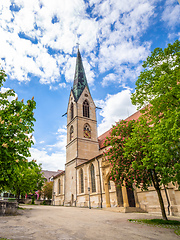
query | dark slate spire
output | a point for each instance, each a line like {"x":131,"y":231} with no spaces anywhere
{"x":80,"y":80}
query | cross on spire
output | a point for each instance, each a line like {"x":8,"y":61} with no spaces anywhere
{"x":77,"y":44}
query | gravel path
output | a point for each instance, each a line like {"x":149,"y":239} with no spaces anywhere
{"x":68,"y":223}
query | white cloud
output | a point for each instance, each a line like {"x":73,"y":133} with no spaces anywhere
{"x":171,"y":13}
{"x":30,"y":39}
{"x":52,"y":157}
{"x":60,"y":85}
{"x":122,"y":75}
{"x":51,"y":162}
{"x":115,"y":107}
{"x":109,"y":79}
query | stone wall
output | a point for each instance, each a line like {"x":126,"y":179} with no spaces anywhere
{"x":8,"y":208}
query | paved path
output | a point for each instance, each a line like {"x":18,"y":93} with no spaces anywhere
{"x":68,"y":223}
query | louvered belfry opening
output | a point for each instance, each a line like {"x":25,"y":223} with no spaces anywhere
{"x":85,"y":109}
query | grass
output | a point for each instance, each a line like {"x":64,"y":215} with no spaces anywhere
{"x":4,"y":238}
{"x":172,"y":224}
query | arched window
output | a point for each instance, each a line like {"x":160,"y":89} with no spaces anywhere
{"x":72,"y":111}
{"x":85,"y":109}
{"x":87,"y":131}
{"x":71,"y":133}
{"x":59,"y":186}
{"x":93,"y":184}
{"x":109,"y":185}
{"x":81,"y":181}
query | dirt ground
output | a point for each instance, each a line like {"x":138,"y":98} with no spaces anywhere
{"x":69,"y":223}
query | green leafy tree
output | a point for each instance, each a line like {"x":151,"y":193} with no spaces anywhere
{"x":47,"y":190}
{"x":16,"y":126}
{"x":149,"y":150}
{"x":159,"y":87}
{"x":140,"y":150}
{"x":27,"y":179}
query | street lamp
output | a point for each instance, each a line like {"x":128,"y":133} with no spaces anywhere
{"x":89,"y":198}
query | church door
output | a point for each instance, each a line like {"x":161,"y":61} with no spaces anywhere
{"x":72,"y":200}
{"x":131,"y":198}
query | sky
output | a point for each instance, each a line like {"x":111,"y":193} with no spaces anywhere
{"x":38,"y":48}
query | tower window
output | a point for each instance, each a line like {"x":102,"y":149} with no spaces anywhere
{"x":93,"y":184}
{"x":87,"y":131}
{"x":72,"y":111}
{"x":85,"y":109}
{"x":71,"y":133}
{"x":81,"y":181}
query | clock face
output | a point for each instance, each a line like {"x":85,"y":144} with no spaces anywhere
{"x":87,"y":134}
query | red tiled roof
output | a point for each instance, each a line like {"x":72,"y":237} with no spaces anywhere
{"x":102,"y":138}
{"x":57,"y":175}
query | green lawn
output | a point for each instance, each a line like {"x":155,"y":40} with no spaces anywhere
{"x":172,"y":224}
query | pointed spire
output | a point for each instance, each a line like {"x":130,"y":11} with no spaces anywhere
{"x":80,"y":80}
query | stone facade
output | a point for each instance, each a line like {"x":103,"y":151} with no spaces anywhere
{"x":87,"y":173}
{"x":8,"y":208}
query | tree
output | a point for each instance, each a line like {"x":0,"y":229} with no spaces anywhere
{"x":140,"y":149}
{"x":159,"y":87}
{"x":122,"y":171}
{"x":47,"y":190}
{"x":27,"y":178}
{"x":16,"y":126}
{"x":149,"y":150}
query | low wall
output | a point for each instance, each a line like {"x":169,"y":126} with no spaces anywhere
{"x":8,"y":208}
{"x":37,"y":202}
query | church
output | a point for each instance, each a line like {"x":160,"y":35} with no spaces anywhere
{"x":86,"y":179}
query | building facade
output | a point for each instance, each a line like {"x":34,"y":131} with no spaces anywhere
{"x":87,"y":173}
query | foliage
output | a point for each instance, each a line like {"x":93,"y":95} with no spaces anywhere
{"x":122,"y":172}
{"x":158,"y":84}
{"x":172,"y":224}
{"x":150,"y":148}
{"x":47,"y":190}
{"x":33,"y":200}
{"x":16,"y":126}
{"x":27,"y":178}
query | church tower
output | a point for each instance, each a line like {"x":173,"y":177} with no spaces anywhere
{"x":82,"y":144}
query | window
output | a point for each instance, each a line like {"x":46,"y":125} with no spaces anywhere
{"x":71,"y":133}
{"x":59,"y":186}
{"x":81,"y":181}
{"x":93,"y":184}
{"x":87,"y":131}
{"x":109,"y":185}
{"x":85,"y":109}
{"x":72,"y":111}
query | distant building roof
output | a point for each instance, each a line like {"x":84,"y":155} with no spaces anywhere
{"x":58,"y":174}
{"x":48,"y":174}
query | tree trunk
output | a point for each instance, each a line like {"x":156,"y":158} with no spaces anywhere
{"x":158,"y":190}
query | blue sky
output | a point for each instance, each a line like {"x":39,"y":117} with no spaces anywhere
{"x":38,"y":52}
